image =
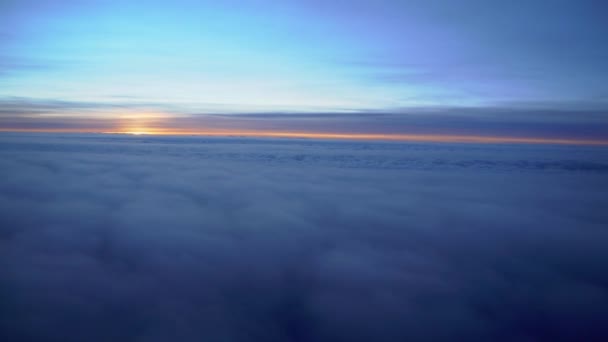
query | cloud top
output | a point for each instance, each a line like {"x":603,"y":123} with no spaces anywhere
{"x":141,"y":239}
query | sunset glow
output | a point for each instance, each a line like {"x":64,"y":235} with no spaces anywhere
{"x":303,"y":170}
{"x":138,"y":133}
{"x":380,"y":137}
{"x":341,"y":136}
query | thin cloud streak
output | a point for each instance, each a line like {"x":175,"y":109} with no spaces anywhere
{"x":380,"y":137}
{"x":340,"y":136}
{"x":517,"y":124}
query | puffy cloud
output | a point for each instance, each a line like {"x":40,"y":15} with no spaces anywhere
{"x":155,"y":239}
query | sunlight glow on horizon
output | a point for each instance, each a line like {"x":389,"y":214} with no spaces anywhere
{"x":431,"y":138}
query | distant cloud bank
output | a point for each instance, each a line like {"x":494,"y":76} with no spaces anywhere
{"x":515,"y":124}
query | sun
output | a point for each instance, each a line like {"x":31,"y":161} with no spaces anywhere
{"x":137,"y":132}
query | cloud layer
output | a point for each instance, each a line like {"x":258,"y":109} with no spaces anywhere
{"x":573,"y":122}
{"x":155,"y":239}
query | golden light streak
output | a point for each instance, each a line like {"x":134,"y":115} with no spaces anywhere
{"x":442,"y":138}
{"x":138,"y":133}
{"x":447,"y":138}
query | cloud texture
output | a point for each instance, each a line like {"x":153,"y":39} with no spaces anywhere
{"x":186,"y":239}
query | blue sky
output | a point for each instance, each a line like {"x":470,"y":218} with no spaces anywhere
{"x":200,"y":57}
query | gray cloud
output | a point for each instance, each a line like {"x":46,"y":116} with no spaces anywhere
{"x":155,"y":239}
{"x":542,"y":120}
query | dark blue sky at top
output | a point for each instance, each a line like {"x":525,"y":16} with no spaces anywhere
{"x":305,"y":56}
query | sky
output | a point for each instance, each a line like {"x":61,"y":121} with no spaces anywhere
{"x":535,"y":69}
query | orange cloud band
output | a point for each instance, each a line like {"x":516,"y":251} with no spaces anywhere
{"x":446,"y":138}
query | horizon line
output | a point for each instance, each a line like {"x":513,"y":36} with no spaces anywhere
{"x":438,"y":138}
